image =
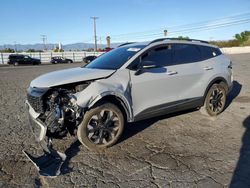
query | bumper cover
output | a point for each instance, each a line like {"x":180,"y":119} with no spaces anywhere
{"x":37,"y":127}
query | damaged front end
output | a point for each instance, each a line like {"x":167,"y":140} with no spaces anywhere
{"x":53,"y":113}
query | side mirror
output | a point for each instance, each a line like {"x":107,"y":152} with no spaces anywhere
{"x":144,"y":65}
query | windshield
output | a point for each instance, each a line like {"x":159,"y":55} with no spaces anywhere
{"x":115,"y":58}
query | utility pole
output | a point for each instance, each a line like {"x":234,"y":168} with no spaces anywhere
{"x":94,"y":19}
{"x":44,"y":39}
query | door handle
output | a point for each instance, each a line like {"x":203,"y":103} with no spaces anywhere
{"x":171,"y":72}
{"x":208,"y":68}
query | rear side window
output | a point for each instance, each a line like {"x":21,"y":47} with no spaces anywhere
{"x":209,"y":52}
{"x":216,"y":51}
{"x":206,"y":52}
{"x":185,"y":53}
{"x":161,"y":56}
{"x":15,"y":57}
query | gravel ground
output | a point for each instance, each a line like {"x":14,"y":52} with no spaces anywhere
{"x":180,"y":150}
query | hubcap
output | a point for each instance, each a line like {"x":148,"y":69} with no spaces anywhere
{"x":103,"y":127}
{"x":216,"y":100}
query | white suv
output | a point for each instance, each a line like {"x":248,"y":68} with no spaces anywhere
{"x":132,"y":82}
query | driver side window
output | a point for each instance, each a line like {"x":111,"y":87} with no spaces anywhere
{"x":161,"y":56}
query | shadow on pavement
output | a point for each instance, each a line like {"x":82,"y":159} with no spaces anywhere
{"x":136,"y":127}
{"x":233,"y":93}
{"x":241,"y":176}
{"x":70,"y":153}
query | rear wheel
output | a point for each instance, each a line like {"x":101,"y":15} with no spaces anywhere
{"x":101,"y":127}
{"x":215,"y":100}
{"x":15,"y":63}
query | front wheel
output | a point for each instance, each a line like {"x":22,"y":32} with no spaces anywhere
{"x":101,"y":127}
{"x":215,"y":100}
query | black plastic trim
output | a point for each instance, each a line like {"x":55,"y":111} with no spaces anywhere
{"x":168,"y":108}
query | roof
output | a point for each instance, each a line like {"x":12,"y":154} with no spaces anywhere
{"x":170,"y":40}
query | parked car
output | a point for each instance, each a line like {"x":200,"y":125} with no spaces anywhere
{"x":58,"y":59}
{"x":130,"y":83}
{"x":19,"y":59}
{"x":88,"y":59}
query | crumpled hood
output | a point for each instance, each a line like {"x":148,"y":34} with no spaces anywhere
{"x":69,"y":76}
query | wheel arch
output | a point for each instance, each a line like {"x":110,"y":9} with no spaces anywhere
{"x":216,"y":80}
{"x":120,"y":101}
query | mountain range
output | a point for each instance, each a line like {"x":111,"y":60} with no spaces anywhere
{"x":66,"y":47}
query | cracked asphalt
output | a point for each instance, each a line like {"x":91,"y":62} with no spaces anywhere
{"x":185,"y":149}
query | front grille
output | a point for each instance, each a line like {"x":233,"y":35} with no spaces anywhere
{"x":36,"y":103}
{"x":35,"y":99}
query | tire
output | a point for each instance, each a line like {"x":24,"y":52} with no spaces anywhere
{"x":15,"y":63}
{"x":70,"y":61}
{"x":215,"y":100}
{"x":97,"y":131}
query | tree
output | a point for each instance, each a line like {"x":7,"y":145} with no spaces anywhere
{"x":243,"y":36}
{"x":8,"y":50}
{"x":31,"y":50}
{"x":183,"y":38}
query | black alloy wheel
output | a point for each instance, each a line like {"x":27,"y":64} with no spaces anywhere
{"x":216,"y":99}
{"x":101,"y":127}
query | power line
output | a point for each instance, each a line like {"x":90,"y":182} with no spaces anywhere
{"x":194,"y":29}
{"x":235,"y":19}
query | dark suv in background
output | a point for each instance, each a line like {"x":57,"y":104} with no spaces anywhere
{"x":18,"y":59}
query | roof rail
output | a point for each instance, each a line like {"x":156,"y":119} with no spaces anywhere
{"x":125,"y":44}
{"x":197,"y":40}
{"x":191,"y":40}
{"x":158,"y":40}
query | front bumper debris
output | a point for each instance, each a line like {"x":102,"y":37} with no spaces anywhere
{"x":49,"y":164}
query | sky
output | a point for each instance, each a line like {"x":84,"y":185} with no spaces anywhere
{"x":68,"y":21}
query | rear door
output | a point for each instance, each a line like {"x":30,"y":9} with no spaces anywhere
{"x":187,"y":62}
{"x":210,"y":64}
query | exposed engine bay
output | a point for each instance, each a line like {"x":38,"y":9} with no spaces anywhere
{"x":57,"y":109}
{"x":61,"y":115}
{"x":58,"y":115}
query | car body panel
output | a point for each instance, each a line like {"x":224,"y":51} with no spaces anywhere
{"x":159,"y":86}
{"x":67,"y":76}
{"x":117,"y":85}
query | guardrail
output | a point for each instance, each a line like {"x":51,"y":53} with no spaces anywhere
{"x":46,"y":56}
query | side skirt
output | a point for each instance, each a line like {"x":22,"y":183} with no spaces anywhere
{"x":168,"y":108}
